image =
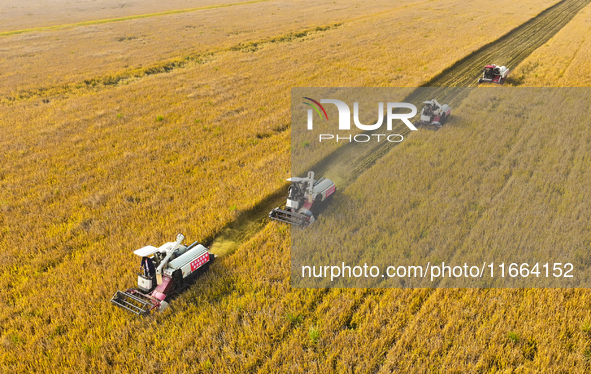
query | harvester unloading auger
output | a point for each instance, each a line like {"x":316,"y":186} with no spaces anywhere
{"x":165,"y":270}
{"x":305,"y":199}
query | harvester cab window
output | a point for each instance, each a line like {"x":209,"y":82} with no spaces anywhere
{"x":148,"y":267}
{"x":295,"y":193}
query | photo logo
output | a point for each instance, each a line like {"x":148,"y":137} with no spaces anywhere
{"x":345,"y":114}
{"x":310,"y":113}
{"x":345,"y":119}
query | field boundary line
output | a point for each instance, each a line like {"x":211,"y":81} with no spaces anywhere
{"x":124,"y":77}
{"x":127,"y":18}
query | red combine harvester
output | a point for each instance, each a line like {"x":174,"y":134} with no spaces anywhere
{"x":493,"y":73}
{"x":305,"y":199}
{"x":433,"y":114}
{"x":165,"y":270}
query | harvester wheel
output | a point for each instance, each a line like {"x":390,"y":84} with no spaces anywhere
{"x":163,"y":306}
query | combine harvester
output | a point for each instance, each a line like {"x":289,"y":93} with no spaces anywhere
{"x":165,"y":270}
{"x":493,"y":74}
{"x":433,"y":115}
{"x":306,"y":196}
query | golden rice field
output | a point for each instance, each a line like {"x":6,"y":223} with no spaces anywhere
{"x":119,"y":134}
{"x":563,"y":61}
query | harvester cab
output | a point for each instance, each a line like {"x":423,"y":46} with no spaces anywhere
{"x":305,"y":198}
{"x":164,"y":270}
{"x":433,"y":114}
